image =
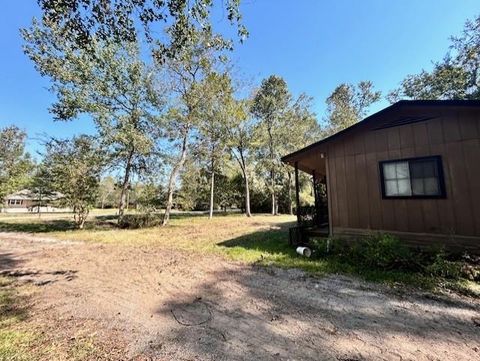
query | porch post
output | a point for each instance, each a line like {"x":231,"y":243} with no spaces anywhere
{"x":315,"y":196}
{"x":297,"y":192}
{"x":329,"y":197}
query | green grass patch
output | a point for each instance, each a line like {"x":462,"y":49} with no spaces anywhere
{"x":380,"y":258}
{"x":14,"y":342}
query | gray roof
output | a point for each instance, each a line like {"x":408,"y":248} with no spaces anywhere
{"x":26,"y":194}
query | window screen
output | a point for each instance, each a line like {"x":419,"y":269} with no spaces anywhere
{"x":417,"y":177}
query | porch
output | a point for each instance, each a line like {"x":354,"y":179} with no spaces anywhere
{"x":312,"y":220}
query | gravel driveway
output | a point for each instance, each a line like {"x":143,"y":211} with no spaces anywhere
{"x":146,"y":303}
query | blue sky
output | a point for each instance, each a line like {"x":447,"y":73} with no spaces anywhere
{"x":313,"y":44}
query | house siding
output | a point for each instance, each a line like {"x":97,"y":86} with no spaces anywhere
{"x":357,"y":203}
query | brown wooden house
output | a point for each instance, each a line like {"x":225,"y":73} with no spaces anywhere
{"x":411,"y":170}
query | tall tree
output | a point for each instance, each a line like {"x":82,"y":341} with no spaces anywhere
{"x":240,"y":131}
{"x":15,"y":163}
{"x":83,"y":22}
{"x":186,"y":74}
{"x":269,"y":105}
{"x":73,"y":168}
{"x":457,"y":76}
{"x":300,"y":129}
{"x":348,"y":104}
{"x":217,"y":96}
{"x":112,"y":86}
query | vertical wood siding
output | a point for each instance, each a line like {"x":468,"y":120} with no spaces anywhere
{"x":355,"y":183}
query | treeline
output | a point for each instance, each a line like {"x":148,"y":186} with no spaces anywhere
{"x":173,"y":123}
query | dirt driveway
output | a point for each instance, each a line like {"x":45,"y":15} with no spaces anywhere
{"x":151,"y":304}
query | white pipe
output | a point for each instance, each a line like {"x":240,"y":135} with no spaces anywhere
{"x":304,"y":251}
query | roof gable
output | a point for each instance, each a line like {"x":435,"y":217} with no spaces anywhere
{"x":398,"y":120}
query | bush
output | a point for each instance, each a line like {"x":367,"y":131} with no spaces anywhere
{"x":387,"y":253}
{"x":442,"y":267}
{"x":135,"y":221}
{"x":381,"y":251}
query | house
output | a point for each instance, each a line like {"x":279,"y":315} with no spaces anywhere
{"x":411,"y":170}
{"x":28,"y":201}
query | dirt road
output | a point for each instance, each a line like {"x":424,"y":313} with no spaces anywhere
{"x":151,"y":304}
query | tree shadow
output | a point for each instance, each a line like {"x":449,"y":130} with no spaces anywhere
{"x":274,"y":240}
{"x":253,"y":313}
{"x":42,"y":226}
{"x":12,"y":305}
{"x":8,"y":261}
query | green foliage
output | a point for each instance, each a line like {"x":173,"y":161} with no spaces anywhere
{"x":109,"y":82}
{"x":284,"y":125}
{"x":149,"y":197}
{"x":383,"y":252}
{"x":73,"y":168}
{"x":108,"y":193}
{"x":83,"y":21}
{"x":348,"y":104}
{"x":15,"y":164}
{"x":457,"y":76}
{"x":441,"y":267}
{"x":145,"y":220}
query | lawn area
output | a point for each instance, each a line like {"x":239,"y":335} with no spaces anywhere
{"x":261,"y":239}
{"x":193,"y":288}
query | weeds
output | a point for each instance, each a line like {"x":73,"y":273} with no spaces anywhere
{"x":382,"y":257}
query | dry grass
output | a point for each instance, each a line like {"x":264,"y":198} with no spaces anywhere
{"x":259,"y":239}
{"x":196,"y":233}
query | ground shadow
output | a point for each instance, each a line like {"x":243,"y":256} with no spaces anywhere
{"x":280,"y":314}
{"x":274,"y":240}
{"x":8,"y":261}
{"x":42,"y":226}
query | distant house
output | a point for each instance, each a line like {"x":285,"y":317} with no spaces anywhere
{"x":28,"y":201}
{"x":411,"y":170}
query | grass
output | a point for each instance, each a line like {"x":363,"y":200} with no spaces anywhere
{"x":22,"y":341}
{"x":15,"y":342}
{"x":261,"y":239}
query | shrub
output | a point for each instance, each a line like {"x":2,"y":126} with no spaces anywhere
{"x":442,"y":267}
{"x":385,"y":252}
{"x":144,"y":220}
{"x":380,"y":251}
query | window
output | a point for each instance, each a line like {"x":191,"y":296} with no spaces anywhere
{"x":413,"y":178}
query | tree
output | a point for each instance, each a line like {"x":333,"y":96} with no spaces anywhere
{"x":112,"y":86}
{"x":457,"y":76}
{"x":186,"y":74}
{"x":107,"y":192}
{"x":241,"y":142}
{"x":300,"y":129}
{"x":84,"y":22}
{"x":211,"y":146}
{"x":73,"y":168}
{"x":348,"y":104}
{"x":269,"y":105}
{"x":41,"y":188}
{"x":15,"y":163}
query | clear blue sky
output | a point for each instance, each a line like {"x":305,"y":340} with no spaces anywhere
{"x":313,"y":44}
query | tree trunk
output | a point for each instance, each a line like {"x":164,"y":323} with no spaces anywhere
{"x":272,"y":173}
{"x":212,"y":187}
{"x":243,"y":167}
{"x":124,"y":186}
{"x":171,"y":182}
{"x":247,"y":195}
{"x":272,"y":185}
{"x":290,"y":204}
